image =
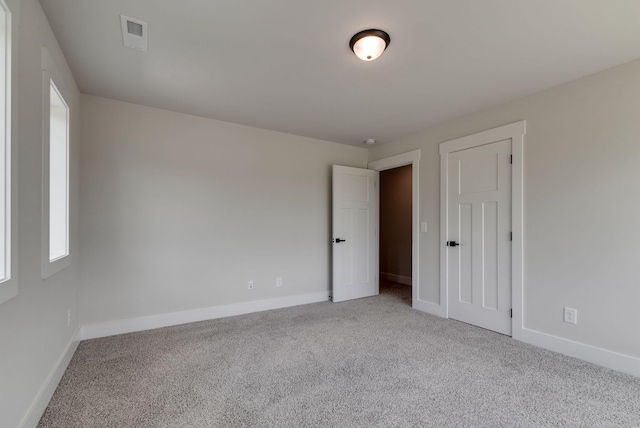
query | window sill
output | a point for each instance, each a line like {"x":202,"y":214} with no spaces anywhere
{"x":8,"y":290}
{"x":51,"y":268}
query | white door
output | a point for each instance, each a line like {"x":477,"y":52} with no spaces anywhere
{"x":355,"y":233}
{"x":479,"y":235}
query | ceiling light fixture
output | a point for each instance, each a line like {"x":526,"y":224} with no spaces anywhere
{"x":369,"y":44}
{"x":369,"y":141}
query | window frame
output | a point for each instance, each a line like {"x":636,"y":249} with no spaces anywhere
{"x":51,"y":76}
{"x":8,"y":182}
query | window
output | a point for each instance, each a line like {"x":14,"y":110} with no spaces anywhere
{"x":8,"y":285}
{"x":55,"y":203}
{"x":58,"y":175}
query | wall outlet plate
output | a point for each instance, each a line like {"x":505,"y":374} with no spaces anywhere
{"x":279,"y":281}
{"x":570,"y":315}
{"x":250,"y":285}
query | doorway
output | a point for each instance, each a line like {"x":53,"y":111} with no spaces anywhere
{"x":355,"y":225}
{"x":411,"y":159}
{"x":395,"y":232}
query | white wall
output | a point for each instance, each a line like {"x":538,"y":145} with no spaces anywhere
{"x":581,"y":205}
{"x":179,"y":212}
{"x":34,"y":335}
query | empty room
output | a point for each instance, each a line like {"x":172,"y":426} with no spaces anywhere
{"x":286,"y":213}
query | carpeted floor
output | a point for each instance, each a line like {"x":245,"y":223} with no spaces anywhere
{"x":364,"y":363}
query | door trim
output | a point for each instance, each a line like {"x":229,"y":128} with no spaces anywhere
{"x":409,"y":158}
{"x":516,"y":132}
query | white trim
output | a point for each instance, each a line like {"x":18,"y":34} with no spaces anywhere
{"x":603,"y":357}
{"x":8,"y":290}
{"x":9,"y":284}
{"x":409,"y":158}
{"x":444,"y":225}
{"x":400,"y":279}
{"x":111,"y":328}
{"x":395,"y":161}
{"x":515,"y":132}
{"x":517,"y":227}
{"x":41,"y":401}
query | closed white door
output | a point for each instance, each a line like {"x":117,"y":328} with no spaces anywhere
{"x":355,"y":233}
{"x":479,"y":236}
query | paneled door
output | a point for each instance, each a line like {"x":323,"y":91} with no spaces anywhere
{"x":355,"y":233}
{"x":478,"y":236}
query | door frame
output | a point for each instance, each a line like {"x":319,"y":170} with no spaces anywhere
{"x":409,"y":158}
{"x":516,"y":132}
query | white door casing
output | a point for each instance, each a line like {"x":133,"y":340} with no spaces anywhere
{"x":452,"y":280}
{"x":355,"y":224}
{"x":479,"y":222}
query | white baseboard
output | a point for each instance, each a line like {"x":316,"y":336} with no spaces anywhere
{"x":39,"y":404}
{"x":111,"y":328}
{"x":396,"y":278}
{"x":428,"y":307}
{"x":602,"y":357}
{"x":593,"y":354}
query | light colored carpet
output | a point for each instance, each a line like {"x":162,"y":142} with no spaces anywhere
{"x":370,"y":362}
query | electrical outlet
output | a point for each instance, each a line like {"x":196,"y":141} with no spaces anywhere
{"x":279,"y":281}
{"x":571,"y":315}
{"x":69,"y":318}
{"x":423,"y":227}
{"x":250,"y":285}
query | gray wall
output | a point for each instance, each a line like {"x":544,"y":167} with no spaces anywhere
{"x":179,"y":212}
{"x":33,"y":325}
{"x":395,"y":222}
{"x":581,"y":205}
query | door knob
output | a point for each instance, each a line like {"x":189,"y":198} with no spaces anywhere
{"x":338,"y":240}
{"x":452,"y":244}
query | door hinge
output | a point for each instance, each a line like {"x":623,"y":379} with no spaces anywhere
{"x":510,"y":236}
{"x":511,"y":159}
{"x":511,"y":314}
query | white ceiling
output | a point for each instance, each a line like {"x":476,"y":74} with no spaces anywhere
{"x":286,"y":65}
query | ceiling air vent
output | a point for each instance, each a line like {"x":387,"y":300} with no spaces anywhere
{"x":134,"y":33}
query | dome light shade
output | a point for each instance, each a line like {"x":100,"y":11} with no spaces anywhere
{"x":369,"y":44}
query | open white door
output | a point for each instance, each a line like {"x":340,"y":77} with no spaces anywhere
{"x":355,"y":233}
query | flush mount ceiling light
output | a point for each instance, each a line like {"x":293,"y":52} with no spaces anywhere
{"x":369,"y":44}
